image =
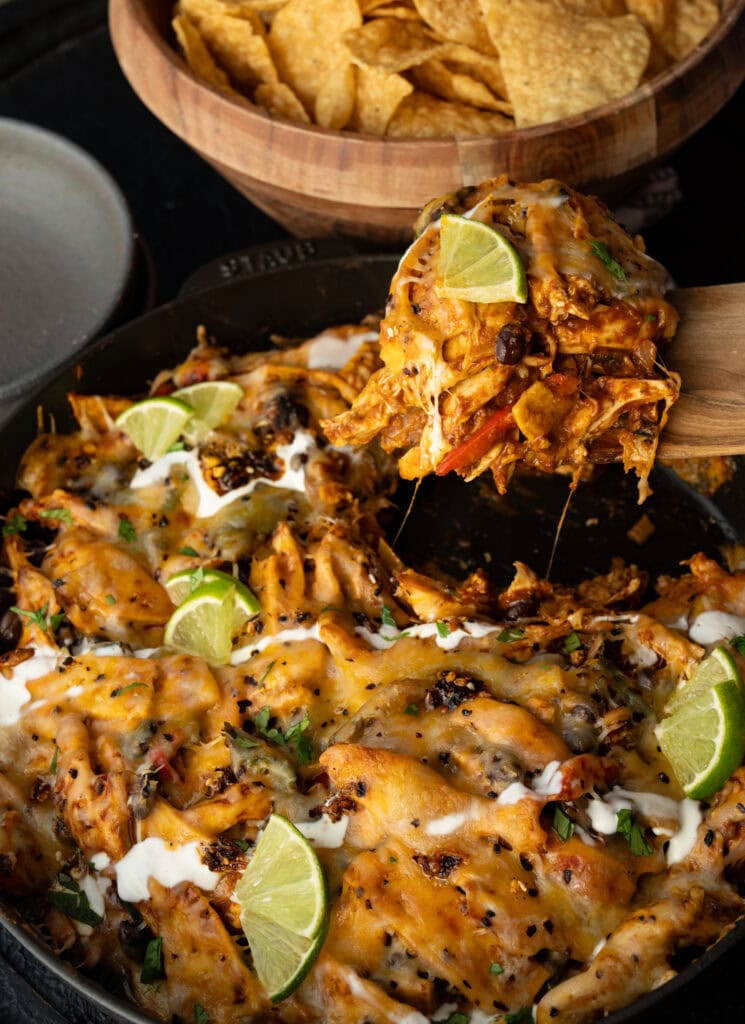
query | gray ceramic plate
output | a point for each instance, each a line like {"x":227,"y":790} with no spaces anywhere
{"x":66,"y":252}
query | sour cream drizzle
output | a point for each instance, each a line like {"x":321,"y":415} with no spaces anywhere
{"x":14,"y":692}
{"x":324,"y":832}
{"x":603,"y":813}
{"x":169,"y":865}
{"x":387,"y":635}
{"x":283,"y":637}
{"x":210,"y":502}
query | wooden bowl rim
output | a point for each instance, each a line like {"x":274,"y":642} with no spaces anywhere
{"x":285,"y":128}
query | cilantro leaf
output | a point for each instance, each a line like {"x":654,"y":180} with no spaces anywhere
{"x":74,"y":903}
{"x":631,"y":830}
{"x":16,"y":524}
{"x":572,"y":643}
{"x":738,"y":642}
{"x":238,"y":738}
{"x":600,"y":249}
{"x":177,"y":446}
{"x":127,"y":532}
{"x":125,"y":689}
{"x":522,"y":1016}
{"x":269,"y":668}
{"x":242,"y":844}
{"x":152,"y":966}
{"x":457,"y":1018}
{"x":412,"y":709}
{"x":110,"y":599}
{"x":496,"y":969}
{"x":200,"y":1015}
{"x":510,"y":635}
{"x":563,"y":824}
{"x":189,"y":552}
{"x":443,"y":629}
{"x":386,"y":617}
{"x":56,"y":513}
{"x":39,"y":617}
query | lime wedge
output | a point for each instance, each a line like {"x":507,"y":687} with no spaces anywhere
{"x":205,"y":623}
{"x":154,"y":424}
{"x":479,"y":264}
{"x":186,"y":582}
{"x":212,"y":402}
{"x":703,"y":736}
{"x":284,"y":907}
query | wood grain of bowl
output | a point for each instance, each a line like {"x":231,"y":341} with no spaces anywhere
{"x":317,"y":182}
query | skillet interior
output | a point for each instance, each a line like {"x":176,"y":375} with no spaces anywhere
{"x":453,"y":525}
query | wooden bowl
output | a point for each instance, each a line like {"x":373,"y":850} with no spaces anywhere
{"x":317,"y":182}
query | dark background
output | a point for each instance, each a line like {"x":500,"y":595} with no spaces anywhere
{"x":57,"y":70}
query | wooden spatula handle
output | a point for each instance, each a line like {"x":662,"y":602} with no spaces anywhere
{"x":709,"y":353}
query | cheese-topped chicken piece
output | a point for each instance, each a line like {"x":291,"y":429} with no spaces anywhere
{"x":571,"y":376}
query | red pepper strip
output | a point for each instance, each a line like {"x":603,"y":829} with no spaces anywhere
{"x":478,"y":444}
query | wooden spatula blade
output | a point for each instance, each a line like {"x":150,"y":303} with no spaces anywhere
{"x":709,"y":353}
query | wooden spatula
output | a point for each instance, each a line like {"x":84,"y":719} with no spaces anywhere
{"x":709,"y":353}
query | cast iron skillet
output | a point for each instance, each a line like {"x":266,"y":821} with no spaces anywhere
{"x":295,"y":290}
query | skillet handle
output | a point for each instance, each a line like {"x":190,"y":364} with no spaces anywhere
{"x":258,"y":259}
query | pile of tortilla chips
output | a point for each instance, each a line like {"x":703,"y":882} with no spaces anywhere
{"x":428,"y":68}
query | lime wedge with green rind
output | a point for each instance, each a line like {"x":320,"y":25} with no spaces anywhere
{"x":154,"y":424}
{"x":188,"y":581}
{"x":478,"y":264}
{"x":284,"y":903}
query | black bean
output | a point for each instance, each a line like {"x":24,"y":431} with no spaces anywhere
{"x":10,"y":631}
{"x":510,"y":346}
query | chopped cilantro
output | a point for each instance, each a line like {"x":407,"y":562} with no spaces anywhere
{"x":200,"y":1015}
{"x":177,"y":446}
{"x":53,"y":762}
{"x":572,"y":643}
{"x":522,"y":1016}
{"x":73,"y":902}
{"x":510,"y":635}
{"x":651,"y":317}
{"x":496,"y":969}
{"x":386,"y":617}
{"x":110,"y":599}
{"x":600,"y":249}
{"x":40,"y":617}
{"x":238,"y":738}
{"x":189,"y":552}
{"x":242,"y":844}
{"x":443,"y":629}
{"x":738,"y":642}
{"x":412,"y":709}
{"x":392,"y":859}
{"x":16,"y":524}
{"x":152,"y":966}
{"x":295,"y":735}
{"x":127,"y":532}
{"x":563,"y":824}
{"x":269,"y":668}
{"x":458,"y":1018}
{"x":56,"y":513}
{"x":630,"y":829}
{"x":125,"y":689}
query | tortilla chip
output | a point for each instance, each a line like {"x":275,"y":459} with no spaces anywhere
{"x":468,"y":61}
{"x":677,"y":25}
{"x":436,"y":77}
{"x":422,"y":116}
{"x":335,"y":102}
{"x":236,"y":41}
{"x":280,"y":101}
{"x":458,"y":20}
{"x":391,"y":44}
{"x":597,"y":8}
{"x":197,"y":56}
{"x":571,"y":65}
{"x":369,"y":6}
{"x":306,"y":43}
{"x":379,"y":94}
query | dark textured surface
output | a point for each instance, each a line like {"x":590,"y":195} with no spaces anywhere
{"x":57,"y":70}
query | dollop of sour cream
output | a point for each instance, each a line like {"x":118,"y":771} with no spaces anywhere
{"x":169,"y":865}
{"x":284,"y":636}
{"x":293,"y":455}
{"x":14,"y":692}
{"x":331,"y":350}
{"x":603,"y":814}
{"x":324,"y":832}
